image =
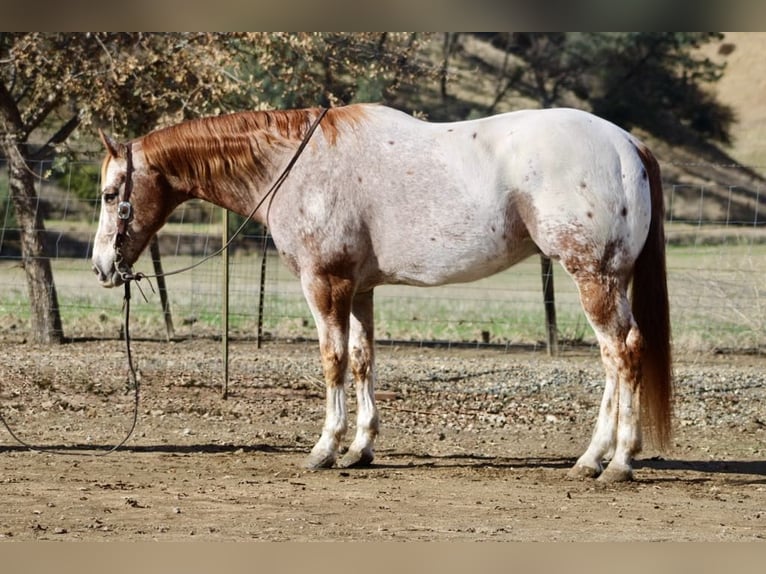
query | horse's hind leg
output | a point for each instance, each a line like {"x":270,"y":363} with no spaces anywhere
{"x":329,"y":298}
{"x":617,"y":432}
{"x":362,"y":356}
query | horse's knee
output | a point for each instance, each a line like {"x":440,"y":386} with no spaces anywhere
{"x":361,"y":363}
{"x":334,"y":363}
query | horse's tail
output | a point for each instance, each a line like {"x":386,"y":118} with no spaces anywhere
{"x":651,"y":312}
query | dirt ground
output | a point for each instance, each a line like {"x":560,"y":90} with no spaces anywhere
{"x":475,"y":445}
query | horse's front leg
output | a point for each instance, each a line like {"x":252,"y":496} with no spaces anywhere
{"x":362,"y":355}
{"x":329,"y":298}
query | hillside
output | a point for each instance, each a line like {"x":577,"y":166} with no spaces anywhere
{"x":730,"y":179}
{"x":743,"y":87}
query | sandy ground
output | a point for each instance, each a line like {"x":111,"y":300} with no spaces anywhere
{"x":475,"y":445}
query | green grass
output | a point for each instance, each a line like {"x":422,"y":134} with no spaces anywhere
{"x":717,"y":294}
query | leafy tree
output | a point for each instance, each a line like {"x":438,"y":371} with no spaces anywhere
{"x":658,"y":81}
{"x":292,"y":70}
{"x":654,"y":80}
{"x":546,"y":67}
{"x":51,"y":84}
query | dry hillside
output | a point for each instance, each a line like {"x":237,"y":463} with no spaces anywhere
{"x":730,"y":178}
{"x":743,"y":87}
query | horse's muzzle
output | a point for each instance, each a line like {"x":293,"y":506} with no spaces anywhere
{"x":108,"y":280}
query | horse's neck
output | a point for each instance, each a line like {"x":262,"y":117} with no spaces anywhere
{"x":241,"y":193}
{"x":233,"y":161}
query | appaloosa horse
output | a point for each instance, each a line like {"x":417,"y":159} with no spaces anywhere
{"x":379,"y":197}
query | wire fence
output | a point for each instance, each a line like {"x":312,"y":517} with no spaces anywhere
{"x":716,"y":273}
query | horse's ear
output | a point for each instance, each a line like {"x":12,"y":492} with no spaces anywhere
{"x":109,"y":143}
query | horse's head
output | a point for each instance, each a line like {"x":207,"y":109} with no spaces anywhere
{"x":136,"y":200}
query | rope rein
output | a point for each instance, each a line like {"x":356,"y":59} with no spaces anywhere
{"x":124,"y":212}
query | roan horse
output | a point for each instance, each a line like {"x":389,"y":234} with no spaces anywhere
{"x":379,"y":197}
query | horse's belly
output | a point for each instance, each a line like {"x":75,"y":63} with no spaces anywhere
{"x":457,"y":263}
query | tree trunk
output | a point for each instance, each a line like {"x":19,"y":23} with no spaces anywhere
{"x":46,"y":320}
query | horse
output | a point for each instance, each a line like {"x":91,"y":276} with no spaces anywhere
{"x":380,"y":197}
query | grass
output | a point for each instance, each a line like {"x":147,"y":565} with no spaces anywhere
{"x":717,"y":294}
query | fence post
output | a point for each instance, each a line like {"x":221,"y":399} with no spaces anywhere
{"x":154,"y":249}
{"x":549,"y":300}
{"x":262,"y":290}
{"x":225,"y":310}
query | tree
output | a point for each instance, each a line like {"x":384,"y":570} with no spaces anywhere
{"x":654,"y":80}
{"x":51,"y":85}
{"x":658,"y":81}
{"x":293,"y":70}
{"x":546,"y":67}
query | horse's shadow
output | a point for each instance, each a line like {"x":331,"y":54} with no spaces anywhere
{"x":402,"y":460}
{"x":746,"y":468}
{"x":749,"y":467}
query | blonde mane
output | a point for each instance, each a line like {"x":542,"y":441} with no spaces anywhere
{"x":239,"y":147}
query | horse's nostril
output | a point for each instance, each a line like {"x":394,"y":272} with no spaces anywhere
{"x":100,"y":274}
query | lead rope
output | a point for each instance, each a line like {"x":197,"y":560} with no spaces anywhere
{"x":127,"y":277}
{"x":132,"y":379}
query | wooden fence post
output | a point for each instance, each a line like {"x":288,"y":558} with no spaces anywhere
{"x":225,"y":309}
{"x":154,"y":248}
{"x":549,"y":300}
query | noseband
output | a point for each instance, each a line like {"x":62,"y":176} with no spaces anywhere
{"x":124,"y":215}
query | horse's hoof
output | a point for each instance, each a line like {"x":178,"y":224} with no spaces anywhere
{"x":621,"y":474}
{"x":356,"y":459}
{"x":317,"y":461}
{"x":581,"y":472}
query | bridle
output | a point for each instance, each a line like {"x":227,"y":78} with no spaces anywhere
{"x":124,"y":215}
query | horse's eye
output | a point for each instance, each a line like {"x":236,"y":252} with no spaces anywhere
{"x":109,"y":197}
